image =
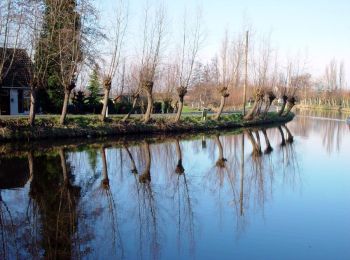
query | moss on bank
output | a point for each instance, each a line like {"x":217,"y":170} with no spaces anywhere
{"x":91,"y":126}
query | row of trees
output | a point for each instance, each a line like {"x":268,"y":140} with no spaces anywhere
{"x":329,"y":90}
{"x":65,"y":41}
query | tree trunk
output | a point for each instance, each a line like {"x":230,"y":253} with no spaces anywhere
{"x":258,"y":139}
{"x":31,"y":164}
{"x":126,"y":117}
{"x":289,"y":108}
{"x":179,"y":109}
{"x":32,"y":107}
{"x":284,"y":98}
{"x":258,"y":110}
{"x":221,"y":108}
{"x":105,"y":179}
{"x":65,"y":106}
{"x":221,"y":162}
{"x":133,"y":164}
{"x":179,"y":167}
{"x":148,"y":87}
{"x":64,"y":166}
{"x":269,"y":148}
{"x":269,"y":98}
{"x":259,"y":95}
{"x":148,"y":113}
{"x":290,"y":137}
{"x":145,"y":177}
{"x":105,"y":104}
{"x":290,"y":105}
{"x":256,"y":148}
{"x":181,"y":91}
{"x":224,"y":94}
{"x":251,"y":113}
{"x":283,"y":143}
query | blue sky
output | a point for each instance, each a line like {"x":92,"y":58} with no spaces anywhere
{"x":320,"y":28}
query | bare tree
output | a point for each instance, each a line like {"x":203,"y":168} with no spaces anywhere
{"x":70,"y":54}
{"x":221,"y":162}
{"x":153,"y":40}
{"x":255,"y":143}
{"x":180,"y":170}
{"x":261,"y":72}
{"x":73,"y":33}
{"x":134,"y":89}
{"x":37,"y":49}
{"x":225,"y":78}
{"x":268,"y":148}
{"x":268,"y":99}
{"x":11,"y":28}
{"x":270,"y":95}
{"x":119,"y":26}
{"x":283,"y":87}
{"x":191,"y":42}
{"x":145,"y":177}
{"x":258,"y":98}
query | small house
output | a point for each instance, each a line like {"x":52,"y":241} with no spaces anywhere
{"x":15,"y":67}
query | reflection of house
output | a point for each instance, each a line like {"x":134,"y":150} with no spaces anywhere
{"x":14,"y":173}
{"x":14,"y":82}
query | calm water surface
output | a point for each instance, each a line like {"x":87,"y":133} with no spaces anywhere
{"x":219,"y":196}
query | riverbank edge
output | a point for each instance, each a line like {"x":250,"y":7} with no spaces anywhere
{"x":13,"y":131}
{"x":323,"y":108}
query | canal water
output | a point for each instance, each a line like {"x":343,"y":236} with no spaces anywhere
{"x":221,"y":195}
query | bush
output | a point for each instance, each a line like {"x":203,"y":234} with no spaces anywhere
{"x":122,"y":107}
{"x":157,"y":107}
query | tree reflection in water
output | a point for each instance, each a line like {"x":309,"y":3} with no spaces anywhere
{"x":162,"y":192}
{"x":329,"y":124}
{"x":185,"y":214}
{"x":55,"y":201}
{"x":147,"y":206}
{"x":117,"y":244}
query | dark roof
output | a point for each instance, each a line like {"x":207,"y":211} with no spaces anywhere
{"x":17,"y":66}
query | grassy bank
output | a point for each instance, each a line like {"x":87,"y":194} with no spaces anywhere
{"x":12,"y":129}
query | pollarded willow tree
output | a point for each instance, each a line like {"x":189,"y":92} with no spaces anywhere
{"x":225,"y":79}
{"x":70,"y":55}
{"x":153,"y":41}
{"x":283,"y":86}
{"x":190,"y":46}
{"x":263,"y":81}
{"x":133,"y":87}
{"x":37,"y":50}
{"x":116,"y":43}
{"x":295,"y":78}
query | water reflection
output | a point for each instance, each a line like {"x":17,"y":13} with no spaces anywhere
{"x":330,"y":124}
{"x":161,"y":199}
{"x":54,"y":200}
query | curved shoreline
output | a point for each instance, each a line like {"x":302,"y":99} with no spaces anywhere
{"x":83,"y":127}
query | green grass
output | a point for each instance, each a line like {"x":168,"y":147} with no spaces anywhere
{"x":90,"y":125}
{"x":187,"y":109}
